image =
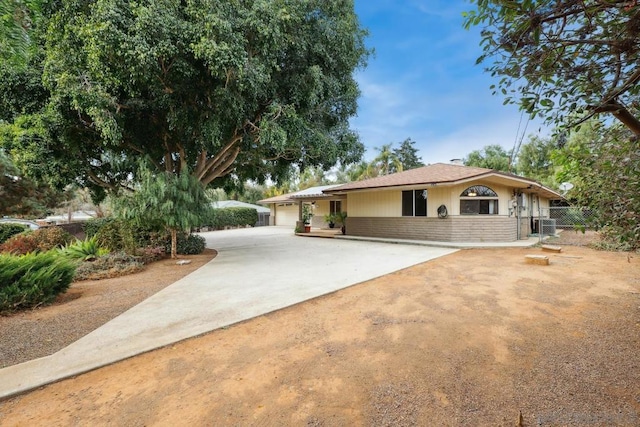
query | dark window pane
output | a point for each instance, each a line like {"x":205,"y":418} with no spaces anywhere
{"x":407,"y":203}
{"x":484,"y":207}
{"x":469,"y":207}
{"x":421,"y":202}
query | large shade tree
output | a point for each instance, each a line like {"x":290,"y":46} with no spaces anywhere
{"x":239,"y":87}
{"x":564,"y":57}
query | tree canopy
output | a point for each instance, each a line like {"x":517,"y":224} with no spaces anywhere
{"x":535,"y":160}
{"x":603,"y":163}
{"x":490,"y":157}
{"x":564,"y":58}
{"x":407,"y":153}
{"x":22,"y":196}
{"x":241,"y":88}
{"x":17,"y":20}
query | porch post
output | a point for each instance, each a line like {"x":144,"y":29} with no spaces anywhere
{"x":299,"y":223}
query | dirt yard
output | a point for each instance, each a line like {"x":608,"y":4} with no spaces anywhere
{"x":475,"y":338}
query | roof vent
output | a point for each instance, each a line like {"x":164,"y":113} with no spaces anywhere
{"x":456,"y":162}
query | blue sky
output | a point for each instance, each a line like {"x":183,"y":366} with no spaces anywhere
{"x":422,"y":83}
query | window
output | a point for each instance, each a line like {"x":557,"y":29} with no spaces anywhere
{"x":478,"y":200}
{"x":414,"y":203}
{"x":335,"y":207}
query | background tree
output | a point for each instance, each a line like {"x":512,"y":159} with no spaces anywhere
{"x":535,"y":160}
{"x":557,"y":58}
{"x":386,"y":162}
{"x":23,"y":197}
{"x":603,"y":163}
{"x":228,"y":90}
{"x":362,"y":170}
{"x":490,"y":157}
{"x":173,"y":202}
{"x":407,"y":153}
{"x":17,"y":20}
{"x":312,"y":177}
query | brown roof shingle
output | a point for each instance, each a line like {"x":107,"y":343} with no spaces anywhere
{"x":433,"y":174}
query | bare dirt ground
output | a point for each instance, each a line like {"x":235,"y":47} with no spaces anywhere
{"x":474,"y":338}
{"x":83,"y":308}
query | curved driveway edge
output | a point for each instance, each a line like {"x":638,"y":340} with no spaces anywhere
{"x":257,"y":271}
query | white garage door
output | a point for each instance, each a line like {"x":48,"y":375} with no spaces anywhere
{"x":287,"y":215}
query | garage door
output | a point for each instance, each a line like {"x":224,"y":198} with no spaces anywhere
{"x":287,"y":215}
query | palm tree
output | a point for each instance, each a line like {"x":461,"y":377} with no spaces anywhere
{"x":387,"y":162}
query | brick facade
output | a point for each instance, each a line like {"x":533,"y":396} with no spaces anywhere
{"x":472,"y":228}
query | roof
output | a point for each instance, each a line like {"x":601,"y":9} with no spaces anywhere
{"x":283,"y":198}
{"x":237,"y":204}
{"x":75,"y":216}
{"x":312,"y":192}
{"x":442,"y":173}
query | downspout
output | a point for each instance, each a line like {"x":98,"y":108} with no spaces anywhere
{"x":539,"y":218}
{"x":518,"y":196}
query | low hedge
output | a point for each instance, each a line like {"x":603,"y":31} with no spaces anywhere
{"x":33,"y":279}
{"x":188,"y":244}
{"x":232,"y":217}
{"x":9,"y":230}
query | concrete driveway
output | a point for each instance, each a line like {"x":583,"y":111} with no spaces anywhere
{"x":257,"y":270}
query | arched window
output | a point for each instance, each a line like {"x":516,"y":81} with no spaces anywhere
{"x":478,"y":200}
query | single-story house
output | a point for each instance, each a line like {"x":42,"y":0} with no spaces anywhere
{"x":286,"y":209}
{"x":445,"y":202}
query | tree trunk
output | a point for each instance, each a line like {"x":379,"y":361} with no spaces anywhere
{"x":174,"y":243}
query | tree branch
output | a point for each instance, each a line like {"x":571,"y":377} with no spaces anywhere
{"x":222,"y":169}
{"x":621,"y":113}
{"x":204,"y":166}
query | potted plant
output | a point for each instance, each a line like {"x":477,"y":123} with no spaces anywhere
{"x":307,"y":214}
{"x":330,"y":219}
{"x":341,"y":217}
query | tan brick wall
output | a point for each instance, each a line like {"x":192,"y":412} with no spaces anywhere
{"x":473,"y":228}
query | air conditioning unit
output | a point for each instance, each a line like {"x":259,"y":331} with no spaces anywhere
{"x":548,"y":226}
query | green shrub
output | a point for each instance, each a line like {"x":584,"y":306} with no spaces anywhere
{"x":48,"y":238}
{"x":9,"y":230}
{"x":33,"y":279}
{"x":120,"y":235}
{"x":107,"y":266}
{"x":92,"y":226}
{"x":84,"y":250}
{"x":116,"y":236}
{"x":188,"y":244}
